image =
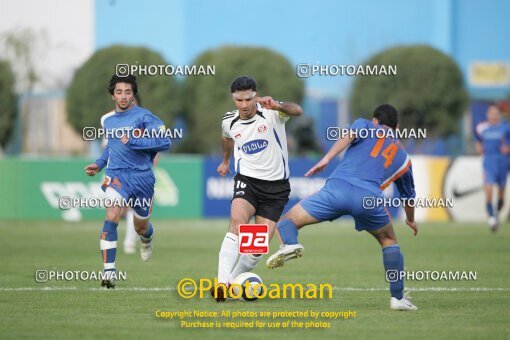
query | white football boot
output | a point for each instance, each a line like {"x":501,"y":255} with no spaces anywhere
{"x":285,"y":253}
{"x":146,"y":249}
{"x":402,"y":304}
{"x":493,"y":224}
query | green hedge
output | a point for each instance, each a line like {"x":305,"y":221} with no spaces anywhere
{"x":88,"y":98}
{"x":428,"y":89}
{"x":7,"y":102}
{"x":206,"y":99}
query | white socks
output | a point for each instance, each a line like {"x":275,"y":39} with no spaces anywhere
{"x":246,"y":263}
{"x":228,"y":256}
{"x":131,"y":235}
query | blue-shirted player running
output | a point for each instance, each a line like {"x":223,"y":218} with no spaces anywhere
{"x":492,"y":143}
{"x":134,"y":138}
{"x":354,"y":188}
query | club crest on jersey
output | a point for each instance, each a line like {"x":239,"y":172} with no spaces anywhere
{"x":254,"y":146}
{"x":262,"y":128}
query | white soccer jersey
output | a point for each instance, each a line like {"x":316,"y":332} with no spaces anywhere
{"x":260,"y":149}
{"x":104,"y":141}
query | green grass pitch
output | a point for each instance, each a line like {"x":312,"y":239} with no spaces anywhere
{"x":334,"y":253}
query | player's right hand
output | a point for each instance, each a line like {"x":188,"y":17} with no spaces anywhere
{"x":413,"y":226}
{"x":92,"y":169}
{"x":505,"y":149}
{"x":323,"y":163}
{"x":223,"y":169}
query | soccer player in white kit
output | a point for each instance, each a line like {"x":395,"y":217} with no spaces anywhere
{"x":256,"y":134}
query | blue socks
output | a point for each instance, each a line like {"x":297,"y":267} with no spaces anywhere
{"x":147,"y":237}
{"x":288,"y":231}
{"x":394,"y":264}
{"x":108,"y":245}
{"x":490,"y":209}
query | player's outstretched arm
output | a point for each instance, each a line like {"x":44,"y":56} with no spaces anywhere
{"x":149,"y":144}
{"x":155,"y":142}
{"x":339,"y":146}
{"x":288,"y":108}
{"x":227,"y":144}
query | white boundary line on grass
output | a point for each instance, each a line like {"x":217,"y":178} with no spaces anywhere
{"x":35,"y":289}
{"x":169,"y":289}
{"x":138,"y":289}
{"x":426,"y":289}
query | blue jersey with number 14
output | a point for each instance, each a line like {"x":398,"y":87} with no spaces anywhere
{"x":373,"y":163}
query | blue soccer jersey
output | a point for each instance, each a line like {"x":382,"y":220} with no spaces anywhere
{"x":495,"y":162}
{"x":138,"y":153}
{"x":369,"y":165}
{"x":400,"y":172}
{"x":129,"y":166}
{"x":370,"y":161}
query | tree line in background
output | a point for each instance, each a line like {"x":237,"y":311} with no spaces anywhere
{"x":428,"y":90}
{"x":200,"y":100}
{"x":7,"y":102}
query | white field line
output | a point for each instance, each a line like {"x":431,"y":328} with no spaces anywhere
{"x":35,"y":289}
{"x":426,"y":289}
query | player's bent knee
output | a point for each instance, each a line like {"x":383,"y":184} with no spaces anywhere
{"x":113,"y":215}
{"x":386,"y":242}
{"x":385,"y":235}
{"x":299,"y":216}
{"x":140,"y":231}
{"x":141,"y":226}
{"x":233,"y":227}
{"x":235,"y":222}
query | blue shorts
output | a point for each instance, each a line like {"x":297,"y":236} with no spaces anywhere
{"x":135,"y":186}
{"x":495,"y":174}
{"x":338,"y":197}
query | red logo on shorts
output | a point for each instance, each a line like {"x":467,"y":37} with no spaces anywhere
{"x":262,"y":128}
{"x":253,"y":239}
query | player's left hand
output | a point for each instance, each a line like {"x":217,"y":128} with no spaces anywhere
{"x":223,"y":169}
{"x":413,"y":226}
{"x":91,"y":169}
{"x":323,"y":163}
{"x":268,"y":103}
{"x":124,"y":140}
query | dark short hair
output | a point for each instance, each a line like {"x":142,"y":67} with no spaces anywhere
{"x":243,"y":83}
{"x":130,"y":79}
{"x":495,"y":104}
{"x":387,"y":115}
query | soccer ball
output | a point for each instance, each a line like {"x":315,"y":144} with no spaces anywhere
{"x":244,"y":285}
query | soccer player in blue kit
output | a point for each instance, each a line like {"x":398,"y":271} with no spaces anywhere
{"x":492,"y":143}
{"x":369,"y":164}
{"x":128,"y":158}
